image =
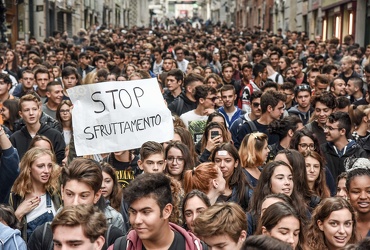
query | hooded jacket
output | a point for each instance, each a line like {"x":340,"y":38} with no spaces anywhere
{"x":21,"y":141}
{"x":304,"y":116}
{"x":10,"y":239}
{"x":133,"y":241}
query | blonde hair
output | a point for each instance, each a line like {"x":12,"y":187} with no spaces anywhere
{"x":250,"y":150}
{"x":23,"y":184}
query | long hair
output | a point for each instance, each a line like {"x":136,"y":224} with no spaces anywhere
{"x":188,"y":160}
{"x":320,"y":188}
{"x":200,"y":177}
{"x":250,"y":150}
{"x":238,"y":178}
{"x":58,"y":117}
{"x":316,"y":237}
{"x":13,"y":107}
{"x":297,"y":138}
{"x":23,"y":184}
{"x":187,"y":139}
{"x":14,"y":67}
{"x":115,"y":197}
{"x":212,"y":125}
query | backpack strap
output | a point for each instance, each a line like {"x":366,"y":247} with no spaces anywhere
{"x":252,"y":126}
{"x":120,"y":243}
{"x":179,"y":106}
{"x":107,"y":236}
{"x":46,"y":225}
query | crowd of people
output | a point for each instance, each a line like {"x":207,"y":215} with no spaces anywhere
{"x":271,"y":143}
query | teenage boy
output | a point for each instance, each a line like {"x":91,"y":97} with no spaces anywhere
{"x":354,"y":89}
{"x":81,"y":184}
{"x":79,"y":226}
{"x":223,"y":224}
{"x":42,"y":78}
{"x":338,"y":146}
{"x":323,"y":104}
{"x":174,"y":82}
{"x":272,"y":108}
{"x":321,"y":84}
{"x":149,"y":200}
{"x":182,"y":63}
{"x":54,"y":93}
{"x":229,"y":110}
{"x":303,"y":108}
{"x":30,"y":111}
{"x":287,"y":88}
{"x":152,"y":158}
{"x":158,"y":61}
{"x":84,"y":66}
{"x":227,"y":77}
{"x":28,"y":81}
{"x":145,"y":65}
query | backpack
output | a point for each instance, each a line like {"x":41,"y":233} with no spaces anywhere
{"x":252,"y":126}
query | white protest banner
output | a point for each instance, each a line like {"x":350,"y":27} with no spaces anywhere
{"x":114,"y":116}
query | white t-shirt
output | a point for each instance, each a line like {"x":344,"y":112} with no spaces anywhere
{"x":194,"y":123}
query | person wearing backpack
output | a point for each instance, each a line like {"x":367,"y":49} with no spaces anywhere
{"x":10,"y":236}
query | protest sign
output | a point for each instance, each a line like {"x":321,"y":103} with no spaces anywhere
{"x":115,"y":116}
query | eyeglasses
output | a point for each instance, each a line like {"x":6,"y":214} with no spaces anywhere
{"x":179,"y":160}
{"x":64,"y":111}
{"x":331,"y":128}
{"x":256,"y":104}
{"x":213,"y":99}
{"x":305,"y":146}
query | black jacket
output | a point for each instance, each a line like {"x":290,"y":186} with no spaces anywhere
{"x":182,"y":104}
{"x":21,"y":141}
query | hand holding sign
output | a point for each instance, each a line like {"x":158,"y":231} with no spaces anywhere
{"x":115,"y":116}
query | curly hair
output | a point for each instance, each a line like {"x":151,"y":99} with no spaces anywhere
{"x":23,"y":184}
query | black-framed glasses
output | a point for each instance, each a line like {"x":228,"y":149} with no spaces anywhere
{"x":331,"y":128}
{"x":256,"y":104}
{"x":304,"y":146}
{"x":179,"y":160}
{"x":64,"y":111}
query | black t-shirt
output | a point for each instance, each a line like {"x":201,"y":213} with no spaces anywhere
{"x":178,"y":242}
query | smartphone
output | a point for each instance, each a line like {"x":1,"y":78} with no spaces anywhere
{"x":214,"y":134}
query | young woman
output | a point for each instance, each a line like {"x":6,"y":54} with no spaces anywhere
{"x":358,"y":186}
{"x":10,"y":113}
{"x":213,"y":80}
{"x":237,"y":189}
{"x":183,"y":135}
{"x":12,"y":64}
{"x":316,"y":174}
{"x":41,"y":141}
{"x":34,"y":195}
{"x":178,"y":160}
{"x":359,"y":120}
{"x":130,"y":68}
{"x":194,"y":203}
{"x":341,"y":186}
{"x":214,"y":134}
{"x":332,"y":225}
{"x":282,"y":221}
{"x":111,"y":190}
{"x":284,"y":63}
{"x":64,"y":117}
{"x":253,"y":153}
{"x":208,"y":178}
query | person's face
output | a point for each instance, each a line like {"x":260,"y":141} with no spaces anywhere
{"x":282,"y":64}
{"x":101,"y":64}
{"x":155,"y":163}
{"x":228,"y":98}
{"x":145,"y":65}
{"x":257,"y":58}
{"x":226,"y":163}
{"x":359,"y":194}
{"x":282,"y":180}
{"x":256,"y":107}
{"x":207,"y":72}
{"x":345,"y":65}
{"x":310,"y":61}
{"x":107,"y":185}
{"x":41,"y":169}
{"x":130,"y":70}
{"x":235,"y":62}
{"x":320,"y":63}
{"x":4,"y":87}
{"x":305,"y":144}
{"x":175,"y":162}
{"x":339,"y":87}
{"x":55,"y":94}
{"x":65,"y":112}
{"x":268,"y":202}
{"x":296,"y":69}
{"x":31,"y":64}
{"x":157,"y":56}
{"x":311,"y":78}
{"x":337,"y":228}
{"x":350,"y":88}
{"x":332,"y":131}
{"x":341,"y":189}
{"x":167,"y":65}
{"x":224,"y":242}
{"x":118,"y":60}
{"x":320,"y":87}
{"x":311,"y":48}
{"x":277,"y":111}
{"x":60,"y":56}
{"x":179,"y":55}
{"x":9,"y":56}
{"x":30,"y":112}
{"x":212,"y":82}
{"x":322,"y":112}
{"x":66,"y":237}
{"x":209,"y":101}
{"x":227,"y":73}
{"x":111,"y":77}
{"x":172,"y":83}
{"x":79,"y":193}
{"x":56,"y":72}
{"x":220,"y":181}
{"x":289,"y":74}
{"x":70,"y":81}
{"x":274,"y":60}
{"x":312,"y":169}
{"x":42,"y":79}
{"x":193,"y":207}
{"x":85,"y":60}
{"x":5,"y":113}
{"x":147,"y":219}
{"x":264,"y":75}
{"x":303,"y":99}
{"x":247,"y":73}
{"x":286,"y":230}
{"x":289,"y":95}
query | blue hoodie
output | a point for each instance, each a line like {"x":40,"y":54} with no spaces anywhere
{"x":10,"y":239}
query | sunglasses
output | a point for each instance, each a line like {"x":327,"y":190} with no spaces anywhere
{"x":256,"y":104}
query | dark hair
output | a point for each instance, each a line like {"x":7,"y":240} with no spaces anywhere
{"x":343,"y":119}
{"x":13,"y":106}
{"x":202,"y":91}
{"x":356,"y":169}
{"x":192,"y":77}
{"x":187,"y":139}
{"x":327,"y":98}
{"x":188,"y":160}
{"x":6,"y":78}
{"x":258,"y":68}
{"x":150,"y":148}
{"x":194,"y":193}
{"x":255,"y":95}
{"x":287,"y":86}
{"x":8,"y":216}
{"x":116,"y":195}
{"x":51,"y":84}
{"x":212,"y":125}
{"x":271,"y":98}
{"x":264,"y":242}
{"x":64,"y":102}
{"x":296,"y":138}
{"x":156,"y":186}
{"x":282,"y":127}
{"x":343,"y":101}
{"x":177,"y":73}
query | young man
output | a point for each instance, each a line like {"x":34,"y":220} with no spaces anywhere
{"x":84,"y":66}
{"x":54,"y":93}
{"x":182,"y":63}
{"x":149,"y":200}
{"x":79,"y":227}
{"x":229,"y":110}
{"x":330,"y":70}
{"x":166,"y":67}
{"x":222,"y":226}
{"x":247,"y":87}
{"x":70,"y":78}
{"x":174,"y":82}
{"x":338,"y":87}
{"x":303,"y":108}
{"x":145,"y":65}
{"x":272,"y":108}
{"x":5,"y":85}
{"x":287,"y":88}
{"x":311,"y":76}
{"x":338,"y":147}
{"x":186,"y":101}
{"x":227,"y":77}
{"x":152,"y":157}
{"x":321,"y":84}
{"x":260,"y":75}
{"x":100,"y":62}
{"x":30,"y":111}
{"x":81,"y":184}
{"x":42,"y":77}
{"x":158,"y":61}
{"x":28,"y":81}
{"x":119,"y":61}
{"x":354,"y":89}
{"x":297,"y":66}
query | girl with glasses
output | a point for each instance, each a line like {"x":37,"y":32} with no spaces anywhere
{"x":64,"y":117}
